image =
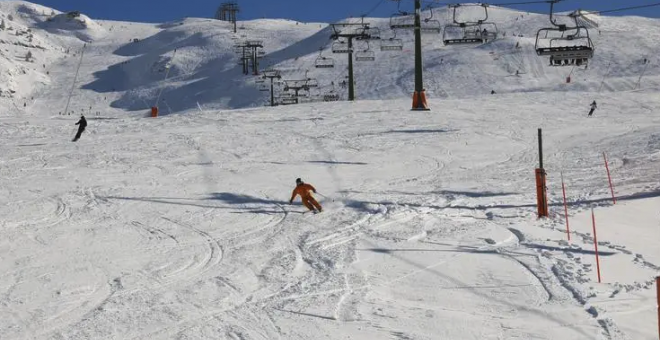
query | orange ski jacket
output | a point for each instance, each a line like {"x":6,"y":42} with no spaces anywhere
{"x":302,"y":190}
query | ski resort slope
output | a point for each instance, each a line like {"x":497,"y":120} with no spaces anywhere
{"x":180,"y":227}
{"x":131,"y":66}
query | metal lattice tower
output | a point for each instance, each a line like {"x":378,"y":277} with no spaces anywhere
{"x":350,"y":31}
{"x":272,"y":74}
{"x":227,"y":12}
{"x":249,"y":52}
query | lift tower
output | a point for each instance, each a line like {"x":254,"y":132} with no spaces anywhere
{"x":350,"y":31}
{"x":227,"y":12}
{"x":272,"y":74}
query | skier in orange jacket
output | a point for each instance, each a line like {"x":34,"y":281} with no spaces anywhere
{"x":303,"y":189}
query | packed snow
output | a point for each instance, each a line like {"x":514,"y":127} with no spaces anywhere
{"x":179,"y":227}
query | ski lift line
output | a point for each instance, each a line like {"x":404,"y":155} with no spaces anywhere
{"x":627,"y":8}
{"x":166,"y":75}
{"x":75,"y":78}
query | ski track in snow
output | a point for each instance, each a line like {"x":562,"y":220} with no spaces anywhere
{"x":178,"y":227}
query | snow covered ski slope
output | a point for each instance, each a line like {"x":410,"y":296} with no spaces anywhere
{"x":179,"y":227}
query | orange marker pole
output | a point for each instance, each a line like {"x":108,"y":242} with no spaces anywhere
{"x":593,"y":220}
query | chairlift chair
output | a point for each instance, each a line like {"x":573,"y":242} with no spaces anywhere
{"x":571,"y":48}
{"x":430,"y":25}
{"x":469,"y":32}
{"x":461,"y":34}
{"x":340,"y":46}
{"x":374,"y":33}
{"x":311,"y":82}
{"x":331,"y":96}
{"x":391,"y":44}
{"x":365,"y":55}
{"x":324,"y":62}
{"x":402,"y":20}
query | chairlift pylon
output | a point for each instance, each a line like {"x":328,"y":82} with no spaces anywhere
{"x":570,"y":48}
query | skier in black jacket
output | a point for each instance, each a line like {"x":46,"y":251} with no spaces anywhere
{"x":593,"y":108}
{"x":82,"y":124}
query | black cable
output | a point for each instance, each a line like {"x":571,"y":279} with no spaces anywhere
{"x":627,"y":8}
{"x":519,"y":3}
{"x":375,"y":8}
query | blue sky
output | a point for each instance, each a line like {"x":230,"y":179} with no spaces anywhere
{"x":301,"y":10}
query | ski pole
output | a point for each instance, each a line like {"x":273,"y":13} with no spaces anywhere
{"x":324,"y":196}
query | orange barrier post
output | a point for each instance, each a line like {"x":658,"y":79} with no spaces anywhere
{"x":541,"y":193}
{"x":593,"y":221}
{"x":154,"y":111}
{"x":609,"y":178}
{"x":563,"y":190}
{"x":419,"y":101}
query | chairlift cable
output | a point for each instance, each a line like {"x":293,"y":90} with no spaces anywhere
{"x":375,"y":7}
{"x":520,"y":3}
{"x":628,"y":8}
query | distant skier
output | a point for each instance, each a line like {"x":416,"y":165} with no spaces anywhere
{"x":492,"y":91}
{"x":593,"y":108}
{"x":303,"y":189}
{"x":82,"y":124}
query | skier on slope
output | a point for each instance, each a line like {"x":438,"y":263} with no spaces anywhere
{"x":593,"y":108}
{"x":303,"y":189}
{"x":82,"y":124}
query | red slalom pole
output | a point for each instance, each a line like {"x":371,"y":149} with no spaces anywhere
{"x":593,"y":221}
{"x":609,"y":178}
{"x":563,"y":190}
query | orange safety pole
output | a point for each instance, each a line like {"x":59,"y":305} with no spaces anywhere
{"x":541,"y":197}
{"x":563,"y":190}
{"x":593,"y":221}
{"x":609,"y":178}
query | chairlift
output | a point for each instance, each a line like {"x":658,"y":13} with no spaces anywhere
{"x":430,"y":25}
{"x":374,"y":33}
{"x":264,"y":88}
{"x":569,"y":48}
{"x":340,"y":46}
{"x":323,"y":62}
{"x":402,"y":20}
{"x":365,"y":55}
{"x":331,"y":96}
{"x":391,"y":44}
{"x":469,"y":32}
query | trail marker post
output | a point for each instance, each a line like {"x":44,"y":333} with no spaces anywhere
{"x":541,"y":190}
